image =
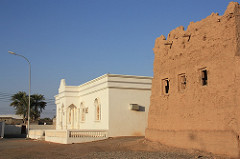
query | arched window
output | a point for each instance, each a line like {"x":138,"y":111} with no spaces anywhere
{"x":82,"y":112}
{"x":97,"y":105}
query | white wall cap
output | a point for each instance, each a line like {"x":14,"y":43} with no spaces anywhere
{"x":11,"y":116}
{"x":106,"y":78}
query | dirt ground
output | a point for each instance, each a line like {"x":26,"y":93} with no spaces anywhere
{"x":112,"y":148}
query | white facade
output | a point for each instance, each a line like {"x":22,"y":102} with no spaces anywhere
{"x":114,"y":104}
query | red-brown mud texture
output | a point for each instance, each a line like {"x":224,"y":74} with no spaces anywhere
{"x":195,"y":100}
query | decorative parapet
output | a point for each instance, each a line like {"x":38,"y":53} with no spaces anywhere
{"x":75,"y":136}
{"x":87,"y":133}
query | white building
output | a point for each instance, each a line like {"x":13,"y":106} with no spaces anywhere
{"x":108,"y":106}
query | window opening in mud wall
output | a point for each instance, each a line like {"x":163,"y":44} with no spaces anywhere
{"x":204,"y":77}
{"x":182,"y":82}
{"x":165,"y":84}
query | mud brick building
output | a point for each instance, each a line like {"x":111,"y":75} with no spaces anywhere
{"x":195,"y":101}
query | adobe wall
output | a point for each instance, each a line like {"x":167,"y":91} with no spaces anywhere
{"x":190,"y":114}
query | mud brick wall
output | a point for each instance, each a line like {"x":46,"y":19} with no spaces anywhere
{"x":195,"y":101}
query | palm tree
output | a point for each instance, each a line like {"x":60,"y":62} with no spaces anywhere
{"x":37,"y":105}
{"x":20,"y":103}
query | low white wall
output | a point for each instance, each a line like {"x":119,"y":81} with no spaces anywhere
{"x":37,"y":134}
{"x":42,"y":127}
{"x":84,"y":139}
{"x":69,"y":137}
{"x":57,"y":136}
{"x":38,"y":131}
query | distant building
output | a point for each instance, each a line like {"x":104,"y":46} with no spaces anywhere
{"x":12,"y":126}
{"x":195,"y":101}
{"x":108,"y":106}
{"x":11,"y":119}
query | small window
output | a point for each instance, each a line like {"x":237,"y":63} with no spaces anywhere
{"x":165,"y":84}
{"x":182,"y":82}
{"x":204,"y":77}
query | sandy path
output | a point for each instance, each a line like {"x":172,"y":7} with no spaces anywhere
{"x":113,"y":148}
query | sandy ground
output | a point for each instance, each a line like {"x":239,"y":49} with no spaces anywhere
{"x":112,"y":148}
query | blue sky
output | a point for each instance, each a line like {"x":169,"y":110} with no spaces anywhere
{"x":82,"y":39}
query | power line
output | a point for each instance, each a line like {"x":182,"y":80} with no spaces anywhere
{"x":3,"y":94}
{"x":8,"y":99}
{"x":2,"y":100}
{"x":5,"y":97}
{"x":51,"y":98}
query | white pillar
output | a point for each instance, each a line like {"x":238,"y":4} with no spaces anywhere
{"x":60,"y":118}
{"x":3,"y":127}
{"x":66,"y":118}
{"x":78,"y":118}
{"x":72,"y":118}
